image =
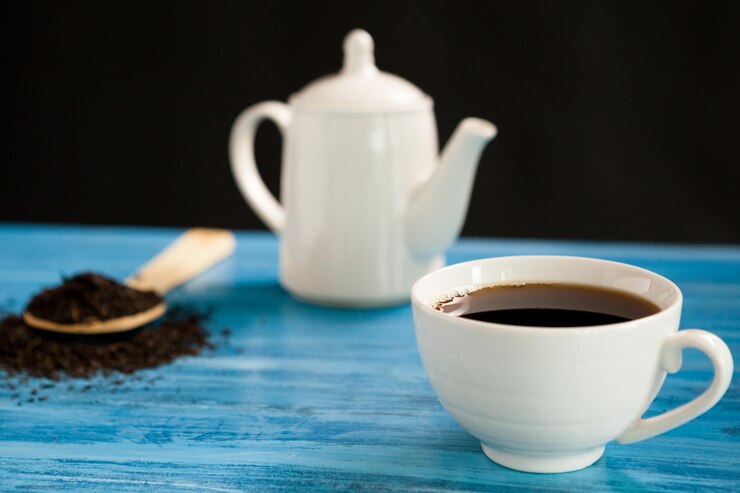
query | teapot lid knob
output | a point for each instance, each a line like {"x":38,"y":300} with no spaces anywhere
{"x":360,"y":87}
{"x":358,"y":53}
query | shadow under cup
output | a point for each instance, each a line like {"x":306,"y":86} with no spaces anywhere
{"x":544,"y":399}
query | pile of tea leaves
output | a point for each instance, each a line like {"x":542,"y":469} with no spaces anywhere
{"x":29,"y":352}
{"x":39,"y":353}
{"x":90,"y":297}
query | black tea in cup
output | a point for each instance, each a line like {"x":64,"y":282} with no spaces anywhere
{"x":547,"y":305}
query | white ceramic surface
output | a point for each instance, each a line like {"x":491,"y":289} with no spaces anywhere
{"x":550,"y":399}
{"x":366,"y":205}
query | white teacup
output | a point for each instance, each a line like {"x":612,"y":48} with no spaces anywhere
{"x":549,"y":399}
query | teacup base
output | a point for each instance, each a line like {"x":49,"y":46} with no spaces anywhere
{"x":543,"y":463}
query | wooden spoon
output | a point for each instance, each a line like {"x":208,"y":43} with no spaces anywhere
{"x":193,"y":252}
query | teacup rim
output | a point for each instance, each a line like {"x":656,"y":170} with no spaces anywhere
{"x":426,"y":306}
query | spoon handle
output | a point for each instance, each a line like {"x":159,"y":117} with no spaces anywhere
{"x":193,"y":252}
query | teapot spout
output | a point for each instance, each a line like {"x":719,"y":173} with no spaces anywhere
{"x":438,"y":207}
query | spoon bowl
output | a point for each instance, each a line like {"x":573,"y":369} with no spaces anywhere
{"x":119,"y":324}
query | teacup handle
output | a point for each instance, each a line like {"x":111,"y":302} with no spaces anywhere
{"x":244,"y":167}
{"x":671,"y":359}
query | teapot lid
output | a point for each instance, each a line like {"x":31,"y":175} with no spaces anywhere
{"x":360,"y":86}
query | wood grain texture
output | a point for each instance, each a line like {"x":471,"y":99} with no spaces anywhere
{"x":304,"y":397}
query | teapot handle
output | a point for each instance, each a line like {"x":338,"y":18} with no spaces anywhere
{"x":244,"y":167}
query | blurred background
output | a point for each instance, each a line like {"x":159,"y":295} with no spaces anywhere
{"x":617,"y":120}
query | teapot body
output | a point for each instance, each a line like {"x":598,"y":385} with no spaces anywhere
{"x":346,"y":182}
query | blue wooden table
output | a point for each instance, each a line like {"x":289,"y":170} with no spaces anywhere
{"x":319,"y":398}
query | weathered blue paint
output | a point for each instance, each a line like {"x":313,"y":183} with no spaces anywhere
{"x":319,"y":398}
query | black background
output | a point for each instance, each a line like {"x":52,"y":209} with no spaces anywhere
{"x":617,"y":120}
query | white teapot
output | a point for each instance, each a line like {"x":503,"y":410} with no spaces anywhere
{"x":367,"y":206}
